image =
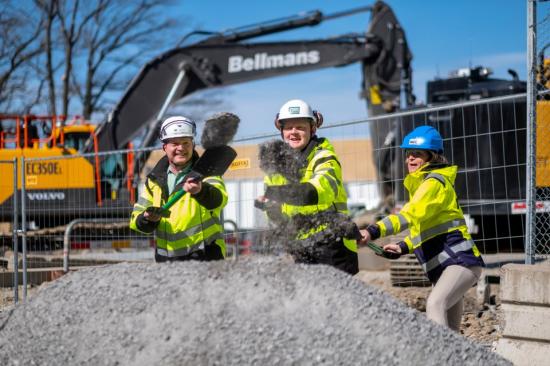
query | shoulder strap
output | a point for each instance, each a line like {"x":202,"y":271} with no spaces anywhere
{"x":436,"y":176}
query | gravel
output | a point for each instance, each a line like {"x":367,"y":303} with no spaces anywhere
{"x":256,"y":311}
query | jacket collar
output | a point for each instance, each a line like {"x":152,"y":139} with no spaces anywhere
{"x":312,"y":144}
{"x":414,"y":179}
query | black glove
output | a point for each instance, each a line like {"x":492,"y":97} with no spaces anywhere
{"x":389,"y":255}
{"x":383,"y":253}
{"x":158,"y":211}
{"x":261,"y":205}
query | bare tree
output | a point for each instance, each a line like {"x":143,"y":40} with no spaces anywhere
{"x":83,"y":54}
{"x":73,"y":19}
{"x":121,"y":37}
{"x":19,"y":45}
{"x":48,"y":9}
{"x":92,"y":48}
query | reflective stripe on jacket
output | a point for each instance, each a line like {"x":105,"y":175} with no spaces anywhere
{"x":323,"y":171}
{"x":190,"y":226}
{"x":438,"y":232}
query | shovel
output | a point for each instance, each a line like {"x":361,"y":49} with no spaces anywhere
{"x":381,"y":252}
{"x":218,"y":131}
{"x":214,"y":161}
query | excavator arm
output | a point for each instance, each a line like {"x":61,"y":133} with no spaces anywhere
{"x":180,"y":72}
{"x":224,"y":59}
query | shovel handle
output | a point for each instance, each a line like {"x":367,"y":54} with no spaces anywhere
{"x":173,"y":199}
{"x":179,"y":194}
{"x":375,"y":248}
{"x":383,"y":253}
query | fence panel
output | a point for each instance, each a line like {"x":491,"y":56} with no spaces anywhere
{"x":77,"y":210}
{"x":81,"y":204}
{"x":9,"y":291}
{"x":485,"y":138}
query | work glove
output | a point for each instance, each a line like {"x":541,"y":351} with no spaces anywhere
{"x":383,"y":253}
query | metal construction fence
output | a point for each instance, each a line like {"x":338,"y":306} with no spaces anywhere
{"x":539,"y":75}
{"x":83,"y":219}
{"x":9,"y":289}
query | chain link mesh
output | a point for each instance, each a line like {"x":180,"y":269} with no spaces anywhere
{"x":542,"y":53}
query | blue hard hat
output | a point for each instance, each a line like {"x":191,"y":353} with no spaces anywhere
{"x":423,"y":138}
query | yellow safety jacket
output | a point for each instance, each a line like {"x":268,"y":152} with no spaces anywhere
{"x":438,"y":232}
{"x":324,"y":172}
{"x":190,"y":226}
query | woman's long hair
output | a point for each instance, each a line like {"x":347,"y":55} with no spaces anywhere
{"x":436,"y":158}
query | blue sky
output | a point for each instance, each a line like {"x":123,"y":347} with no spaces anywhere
{"x":442,"y":34}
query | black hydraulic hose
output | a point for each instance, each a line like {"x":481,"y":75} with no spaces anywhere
{"x":346,"y":13}
{"x":279,"y":25}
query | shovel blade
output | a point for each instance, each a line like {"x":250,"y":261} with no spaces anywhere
{"x":215,"y":161}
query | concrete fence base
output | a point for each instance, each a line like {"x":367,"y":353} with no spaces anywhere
{"x":525,"y":296}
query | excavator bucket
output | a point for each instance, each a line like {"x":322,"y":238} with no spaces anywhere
{"x":391,"y":72}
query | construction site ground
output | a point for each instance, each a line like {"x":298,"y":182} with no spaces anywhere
{"x":480,"y":322}
{"x":256,"y":310}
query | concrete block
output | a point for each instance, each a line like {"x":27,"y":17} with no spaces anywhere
{"x":524,"y":353}
{"x":526,"y":284}
{"x":526,"y":321}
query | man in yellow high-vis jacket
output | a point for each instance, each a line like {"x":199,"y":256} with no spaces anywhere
{"x":318,"y":188}
{"x":193,"y":230}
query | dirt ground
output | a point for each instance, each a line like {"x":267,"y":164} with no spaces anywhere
{"x":6,"y":295}
{"x":481,"y":323}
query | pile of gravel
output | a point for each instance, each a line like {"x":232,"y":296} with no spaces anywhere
{"x":261,"y":311}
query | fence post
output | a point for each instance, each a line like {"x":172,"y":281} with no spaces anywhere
{"x":531,"y":171}
{"x":24,"y":229}
{"x":67,"y":238}
{"x":15,"y":236}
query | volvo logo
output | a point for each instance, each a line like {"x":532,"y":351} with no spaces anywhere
{"x":46,"y":196}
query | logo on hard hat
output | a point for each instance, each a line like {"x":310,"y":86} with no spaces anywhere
{"x":294,"y":110}
{"x":416,"y":141}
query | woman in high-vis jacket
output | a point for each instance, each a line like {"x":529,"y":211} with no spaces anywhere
{"x":438,"y":233}
{"x":193,"y":230}
{"x":318,"y":189}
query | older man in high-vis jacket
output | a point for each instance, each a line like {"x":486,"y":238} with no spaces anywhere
{"x":193,"y":230}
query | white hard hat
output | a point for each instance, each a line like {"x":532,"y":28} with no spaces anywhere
{"x":297,"y":108}
{"x":177,"y":126}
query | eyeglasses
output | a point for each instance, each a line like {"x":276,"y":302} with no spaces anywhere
{"x":417,"y":153}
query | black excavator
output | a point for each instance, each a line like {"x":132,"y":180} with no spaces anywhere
{"x":227,"y":58}
{"x":104,"y":185}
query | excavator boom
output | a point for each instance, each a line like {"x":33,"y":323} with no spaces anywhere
{"x":223,"y":59}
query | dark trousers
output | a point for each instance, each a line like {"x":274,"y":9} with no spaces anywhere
{"x":333,"y":254}
{"x":211,"y":252}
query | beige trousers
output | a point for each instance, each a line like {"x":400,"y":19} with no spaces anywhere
{"x":445,"y":303}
